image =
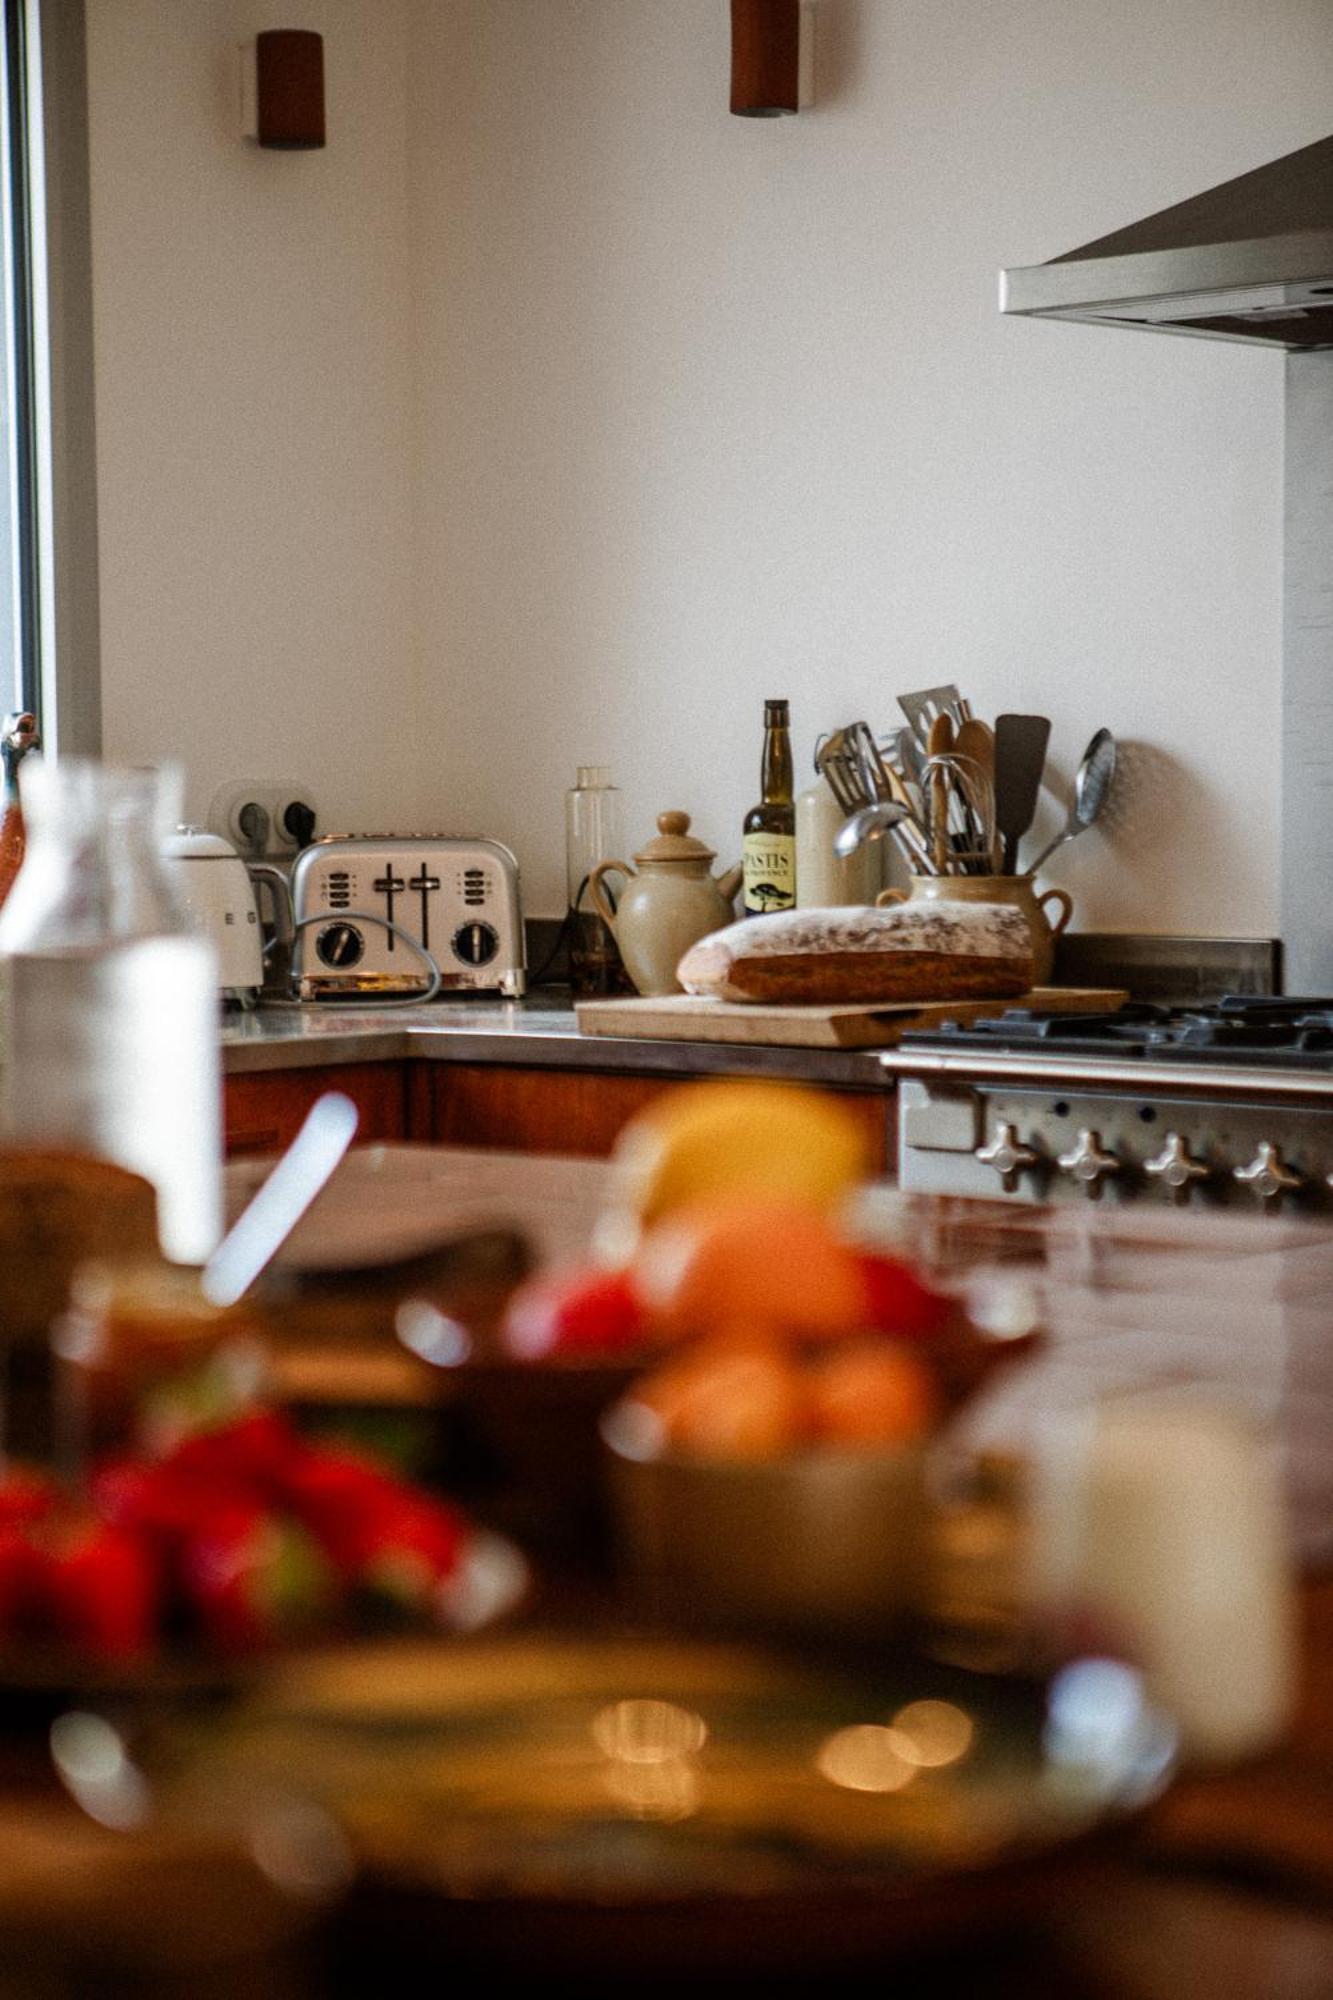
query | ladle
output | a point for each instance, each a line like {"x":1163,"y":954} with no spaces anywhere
{"x":1092,"y":782}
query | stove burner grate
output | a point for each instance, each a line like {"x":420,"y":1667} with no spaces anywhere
{"x":1268,"y":1032}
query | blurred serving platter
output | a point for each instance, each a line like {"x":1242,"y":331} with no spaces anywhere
{"x":550,"y":1801}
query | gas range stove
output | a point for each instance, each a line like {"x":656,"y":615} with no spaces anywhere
{"x":1227,"y":1104}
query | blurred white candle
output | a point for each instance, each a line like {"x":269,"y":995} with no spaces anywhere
{"x":1160,"y":1520}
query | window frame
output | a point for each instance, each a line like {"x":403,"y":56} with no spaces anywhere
{"x":52,"y":335}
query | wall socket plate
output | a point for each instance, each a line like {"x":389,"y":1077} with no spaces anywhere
{"x":272,"y":796}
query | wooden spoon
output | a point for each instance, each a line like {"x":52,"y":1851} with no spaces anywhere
{"x":976,"y":742}
{"x":939,"y":743}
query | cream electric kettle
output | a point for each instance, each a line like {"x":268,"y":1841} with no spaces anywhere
{"x":219,"y":898}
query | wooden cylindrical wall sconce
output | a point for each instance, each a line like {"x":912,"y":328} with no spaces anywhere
{"x":289,"y":89}
{"x":765,"y":57}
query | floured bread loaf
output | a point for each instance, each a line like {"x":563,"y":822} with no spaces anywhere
{"x":909,"y":951}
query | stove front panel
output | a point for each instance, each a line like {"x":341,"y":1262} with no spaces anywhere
{"x":1043,"y":1143}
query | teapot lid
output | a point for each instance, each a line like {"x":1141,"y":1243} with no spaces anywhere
{"x":674,"y":842}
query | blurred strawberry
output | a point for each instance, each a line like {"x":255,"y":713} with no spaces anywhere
{"x":26,"y":1493}
{"x":252,"y":1577}
{"x":340,"y":1497}
{"x":574,"y":1313}
{"x":407,"y":1554}
{"x":18,"y":1580}
{"x":896,"y":1301}
{"x":99,"y":1586}
{"x":253,"y":1450}
{"x":159,"y":1501}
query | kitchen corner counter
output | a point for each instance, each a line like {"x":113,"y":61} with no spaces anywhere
{"x":536,"y":1033}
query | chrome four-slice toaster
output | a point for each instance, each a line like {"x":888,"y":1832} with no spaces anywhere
{"x":368,"y":907}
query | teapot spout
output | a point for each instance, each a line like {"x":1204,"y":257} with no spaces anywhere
{"x":728,"y":884}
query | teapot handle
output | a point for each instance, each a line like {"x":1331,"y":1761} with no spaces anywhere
{"x":1066,"y":902}
{"x":887,"y":896}
{"x":601,"y":900}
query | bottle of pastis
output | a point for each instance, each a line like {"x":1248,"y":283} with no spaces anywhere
{"x":769,"y":845}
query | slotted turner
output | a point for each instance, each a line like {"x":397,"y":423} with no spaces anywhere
{"x":923,"y":707}
{"x":1020,"y":759}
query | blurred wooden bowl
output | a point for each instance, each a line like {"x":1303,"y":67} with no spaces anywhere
{"x":820,"y":1544}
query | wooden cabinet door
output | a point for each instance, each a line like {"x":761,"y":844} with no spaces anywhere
{"x":577,"y":1112}
{"x":263,"y":1109}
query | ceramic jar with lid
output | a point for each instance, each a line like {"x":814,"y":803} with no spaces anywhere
{"x":670,"y":901}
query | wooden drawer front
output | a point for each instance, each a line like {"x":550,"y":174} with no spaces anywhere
{"x":263,"y":1109}
{"x":577,"y":1112}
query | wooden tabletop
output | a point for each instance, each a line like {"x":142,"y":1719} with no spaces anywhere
{"x":1226,"y":1888}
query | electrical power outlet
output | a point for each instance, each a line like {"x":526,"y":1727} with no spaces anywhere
{"x":272,"y":797}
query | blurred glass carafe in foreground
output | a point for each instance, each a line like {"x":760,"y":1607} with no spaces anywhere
{"x":108,"y":1000}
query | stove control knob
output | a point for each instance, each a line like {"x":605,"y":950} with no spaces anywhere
{"x":1008,"y":1155}
{"x":1090,"y":1162}
{"x":340,"y":945}
{"x":1176,"y":1167}
{"x":1266,"y":1177}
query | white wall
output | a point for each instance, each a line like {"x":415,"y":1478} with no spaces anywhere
{"x":562,"y":416}
{"x":717,"y":408}
{"x":253,"y":405}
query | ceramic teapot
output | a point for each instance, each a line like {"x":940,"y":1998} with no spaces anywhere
{"x":1016,"y":890}
{"x":672,"y":902}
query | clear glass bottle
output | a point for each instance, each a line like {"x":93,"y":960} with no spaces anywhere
{"x":108,"y":999}
{"x":594,"y":832}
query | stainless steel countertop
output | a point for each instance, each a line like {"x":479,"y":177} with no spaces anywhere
{"x":539,"y":1033}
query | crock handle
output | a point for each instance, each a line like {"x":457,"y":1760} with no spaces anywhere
{"x":1066,"y":902}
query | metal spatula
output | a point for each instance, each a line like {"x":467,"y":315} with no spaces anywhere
{"x":922,"y":707}
{"x":1020,"y":759}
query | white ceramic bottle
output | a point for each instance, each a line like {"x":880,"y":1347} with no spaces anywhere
{"x":823,"y":881}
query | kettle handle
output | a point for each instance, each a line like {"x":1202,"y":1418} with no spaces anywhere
{"x":267,"y":875}
{"x":602,"y":903}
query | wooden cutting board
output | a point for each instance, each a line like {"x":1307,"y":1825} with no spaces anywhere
{"x":689,"y":1017}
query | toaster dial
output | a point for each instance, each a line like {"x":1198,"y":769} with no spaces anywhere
{"x":476,"y":944}
{"x":340,"y":944}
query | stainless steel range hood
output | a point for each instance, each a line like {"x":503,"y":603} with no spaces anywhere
{"x":1250,"y":260}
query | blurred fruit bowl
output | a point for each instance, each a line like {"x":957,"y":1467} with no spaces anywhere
{"x":821,"y":1544}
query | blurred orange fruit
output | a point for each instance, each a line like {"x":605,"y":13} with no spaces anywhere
{"x":728,"y":1136}
{"x":730,"y":1402}
{"x":757,"y":1262}
{"x":870,"y":1393}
